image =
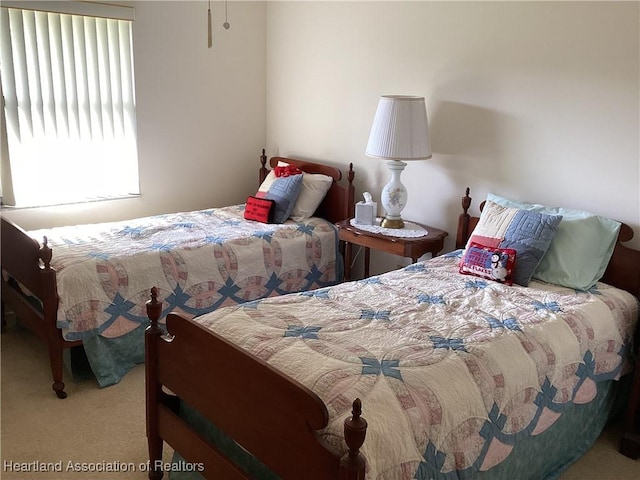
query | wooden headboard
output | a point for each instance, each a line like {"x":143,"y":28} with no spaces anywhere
{"x":339,"y":202}
{"x":624,"y":267}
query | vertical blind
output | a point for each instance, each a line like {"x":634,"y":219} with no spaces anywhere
{"x":69,"y":104}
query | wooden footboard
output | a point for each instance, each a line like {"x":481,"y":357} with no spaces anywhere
{"x":26,"y":264}
{"x":268,"y":414}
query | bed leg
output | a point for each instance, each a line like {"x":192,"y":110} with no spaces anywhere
{"x":55,"y":359}
{"x":352,"y":465}
{"x":50,"y":305}
{"x":153,"y":389}
{"x":155,"y":457}
{"x":58,"y":387}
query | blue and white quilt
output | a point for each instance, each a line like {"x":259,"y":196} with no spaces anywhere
{"x":459,"y":377}
{"x":199,"y":261}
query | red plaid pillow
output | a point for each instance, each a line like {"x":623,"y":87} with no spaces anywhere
{"x":259,"y":209}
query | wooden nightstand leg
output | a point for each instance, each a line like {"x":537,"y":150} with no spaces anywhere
{"x":347,"y":261}
{"x":367,"y":259}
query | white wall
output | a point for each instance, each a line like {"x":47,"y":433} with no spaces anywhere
{"x":534,"y":100}
{"x":200,"y":112}
{"x":537,"y":101}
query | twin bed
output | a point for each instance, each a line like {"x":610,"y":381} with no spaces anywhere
{"x":83,"y":290}
{"x":458,"y":376}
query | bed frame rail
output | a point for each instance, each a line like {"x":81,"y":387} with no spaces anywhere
{"x":203,"y":456}
{"x":270,"y":415}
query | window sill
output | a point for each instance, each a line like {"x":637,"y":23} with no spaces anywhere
{"x":70,"y":204}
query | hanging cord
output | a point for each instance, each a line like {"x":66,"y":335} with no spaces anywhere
{"x":355,"y":257}
{"x":226,"y":23}
{"x":209,"y":35}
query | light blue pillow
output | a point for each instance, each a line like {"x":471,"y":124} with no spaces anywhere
{"x":581,"y":249}
{"x":285,"y":191}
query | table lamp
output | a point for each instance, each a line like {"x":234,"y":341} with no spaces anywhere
{"x":400,"y":132}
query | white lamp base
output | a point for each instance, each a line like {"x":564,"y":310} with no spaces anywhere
{"x":394,"y":196}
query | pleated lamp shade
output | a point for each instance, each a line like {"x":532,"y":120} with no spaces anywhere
{"x":400,"y":129}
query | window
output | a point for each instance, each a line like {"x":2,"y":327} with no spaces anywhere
{"x":66,"y":71}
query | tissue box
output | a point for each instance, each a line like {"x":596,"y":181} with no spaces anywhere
{"x":366,"y":213}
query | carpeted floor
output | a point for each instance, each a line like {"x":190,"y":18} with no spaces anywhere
{"x":105,"y":428}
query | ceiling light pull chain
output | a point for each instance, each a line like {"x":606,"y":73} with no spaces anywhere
{"x":209,"y":35}
{"x":226,"y":23}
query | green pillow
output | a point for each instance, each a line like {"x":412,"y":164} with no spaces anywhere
{"x":581,"y":249}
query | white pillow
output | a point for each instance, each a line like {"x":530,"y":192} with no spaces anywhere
{"x":314,"y":188}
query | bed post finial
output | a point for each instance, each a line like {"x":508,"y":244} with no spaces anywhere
{"x":463,"y":221}
{"x":351,"y":193}
{"x":154,"y":308}
{"x":262,"y":173}
{"x":352,"y":465}
{"x":45,"y":253}
{"x":466,"y":201}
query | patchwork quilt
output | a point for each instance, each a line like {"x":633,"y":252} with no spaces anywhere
{"x":452,"y":370}
{"x":198,"y":260}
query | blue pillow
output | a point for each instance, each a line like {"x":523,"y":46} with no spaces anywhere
{"x":528,"y":233}
{"x":581,"y":249}
{"x":285,"y":191}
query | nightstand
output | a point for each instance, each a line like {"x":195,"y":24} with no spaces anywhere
{"x":409,"y":247}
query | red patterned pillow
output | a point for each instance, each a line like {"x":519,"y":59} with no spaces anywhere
{"x":259,"y":209}
{"x":492,"y":263}
{"x":286,"y":170}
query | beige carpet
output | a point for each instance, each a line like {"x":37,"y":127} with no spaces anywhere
{"x":105,"y":428}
